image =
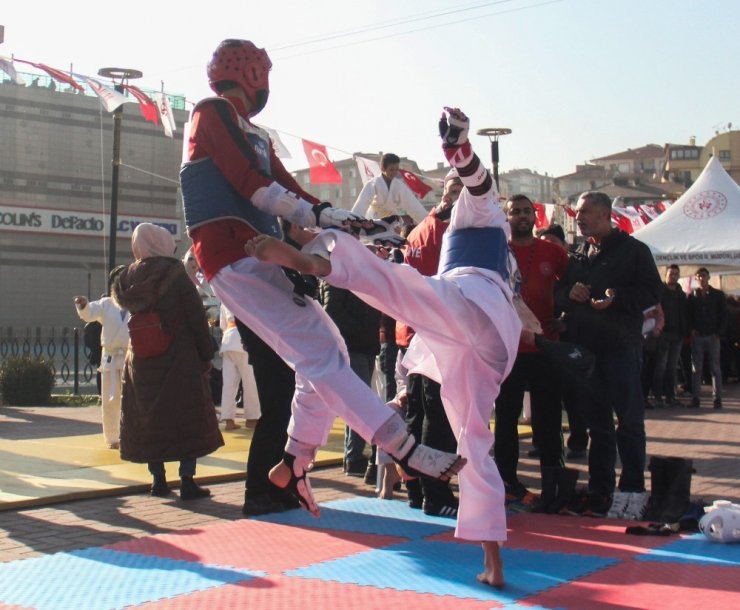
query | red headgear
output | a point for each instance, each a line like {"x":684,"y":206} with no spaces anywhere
{"x":242,"y":62}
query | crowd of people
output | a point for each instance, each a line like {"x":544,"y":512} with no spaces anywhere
{"x":410,"y":339}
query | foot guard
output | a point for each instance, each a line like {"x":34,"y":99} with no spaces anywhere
{"x":299,"y":485}
{"x":422,"y":461}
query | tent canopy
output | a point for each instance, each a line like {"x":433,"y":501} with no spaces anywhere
{"x":701,"y":228}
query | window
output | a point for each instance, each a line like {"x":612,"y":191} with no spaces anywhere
{"x":724,"y":155}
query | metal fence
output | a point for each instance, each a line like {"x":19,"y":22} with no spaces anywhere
{"x":62,"y":348}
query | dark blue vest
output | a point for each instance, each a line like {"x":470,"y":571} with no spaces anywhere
{"x":484,"y":247}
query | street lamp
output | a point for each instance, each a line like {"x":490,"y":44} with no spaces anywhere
{"x":493,"y":134}
{"x":120,"y":77}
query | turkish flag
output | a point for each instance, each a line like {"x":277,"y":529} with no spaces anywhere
{"x":321,"y":170}
{"x":415,"y":183}
{"x":569,"y":210}
{"x":55,"y":74}
{"x":146,"y":105}
{"x":542,"y":221}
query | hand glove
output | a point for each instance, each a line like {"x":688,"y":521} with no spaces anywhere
{"x":328,"y":216}
{"x":453,"y":127}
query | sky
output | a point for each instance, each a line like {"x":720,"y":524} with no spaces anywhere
{"x":573,"y":79}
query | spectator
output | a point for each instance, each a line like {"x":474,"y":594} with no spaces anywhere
{"x":388,"y":194}
{"x":707,"y":318}
{"x":669,"y":341}
{"x":540,"y":264}
{"x":114,"y":341}
{"x":167,"y":412}
{"x":610,"y":280}
{"x":235,"y":368}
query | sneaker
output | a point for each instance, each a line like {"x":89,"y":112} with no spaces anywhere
{"x":519,"y":498}
{"x":590,"y":504}
{"x":371,"y":475}
{"x":636,"y":505}
{"x":439,"y":510}
{"x":717,"y":403}
{"x":695,"y":404}
{"x":620,"y":501}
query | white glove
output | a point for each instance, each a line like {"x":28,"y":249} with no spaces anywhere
{"x":453,"y":127}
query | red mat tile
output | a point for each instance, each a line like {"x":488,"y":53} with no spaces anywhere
{"x":255,"y":545}
{"x":581,"y":535}
{"x":648,"y":586}
{"x":281,"y":592}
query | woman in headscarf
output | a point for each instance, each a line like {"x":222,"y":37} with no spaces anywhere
{"x":166,"y":412}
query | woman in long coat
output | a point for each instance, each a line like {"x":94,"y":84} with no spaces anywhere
{"x":166,"y":413}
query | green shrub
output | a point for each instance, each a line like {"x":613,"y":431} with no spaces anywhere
{"x":26,"y":381}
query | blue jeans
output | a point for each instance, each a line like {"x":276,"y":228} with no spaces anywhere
{"x":354,"y":445}
{"x":617,"y":382}
{"x":666,"y":361}
{"x":700,"y":345}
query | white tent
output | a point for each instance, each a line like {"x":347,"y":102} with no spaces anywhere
{"x":702,"y":229}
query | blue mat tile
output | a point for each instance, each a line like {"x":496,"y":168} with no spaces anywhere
{"x":367,"y":516}
{"x":101,"y":579}
{"x":445,"y":568}
{"x":695,"y":549}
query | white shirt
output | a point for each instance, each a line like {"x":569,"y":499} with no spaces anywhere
{"x":377,"y":200}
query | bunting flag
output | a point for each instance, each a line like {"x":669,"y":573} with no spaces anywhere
{"x":165,"y":114}
{"x":146,"y":105}
{"x":368,"y":169}
{"x":569,"y":210}
{"x":628,"y":219}
{"x":6,"y":65}
{"x":55,"y":74}
{"x":415,"y":183}
{"x":321,"y":170}
{"x":542,"y":221}
{"x":650,"y":210}
{"x":109,"y":98}
{"x":281,"y":150}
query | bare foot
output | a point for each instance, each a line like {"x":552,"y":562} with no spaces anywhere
{"x":231,"y":425}
{"x":271,"y":250}
{"x":391,"y":476}
{"x":493,"y":565}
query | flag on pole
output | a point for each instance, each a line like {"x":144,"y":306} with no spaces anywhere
{"x":165,"y":114}
{"x":146,"y":105}
{"x":321,"y":169}
{"x":109,"y":98}
{"x":6,"y":65}
{"x":55,"y":74}
{"x":414,"y":183}
{"x":368,"y":169}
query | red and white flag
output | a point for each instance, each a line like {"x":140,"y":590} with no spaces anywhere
{"x":321,"y":170}
{"x":6,"y":65}
{"x":415,"y":183}
{"x":568,"y":210}
{"x":109,"y":98}
{"x":146,"y":105}
{"x":55,"y":74}
{"x":368,"y":169}
{"x":165,"y":114}
{"x":650,"y":210}
{"x":542,"y":220}
{"x":628,"y":219}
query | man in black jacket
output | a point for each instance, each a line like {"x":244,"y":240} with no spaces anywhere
{"x":707,"y":321}
{"x":609,"y":282}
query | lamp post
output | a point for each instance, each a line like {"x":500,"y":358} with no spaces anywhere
{"x":493,"y":134}
{"x":120,"y":77}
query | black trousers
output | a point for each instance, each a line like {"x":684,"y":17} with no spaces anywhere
{"x":275,"y":382}
{"x":427,"y":421}
{"x":531,"y":372}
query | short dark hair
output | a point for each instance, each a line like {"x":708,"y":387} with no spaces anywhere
{"x":553,"y":229}
{"x":702,"y":270}
{"x":597,"y":197}
{"x":519,"y":197}
{"x":675,"y":266}
{"x":389,"y":159}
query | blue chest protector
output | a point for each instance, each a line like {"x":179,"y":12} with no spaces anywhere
{"x":208,"y":196}
{"x":484,"y":247}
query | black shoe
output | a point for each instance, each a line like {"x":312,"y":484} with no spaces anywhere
{"x":717,"y":403}
{"x":440,"y":510}
{"x":415,"y":494}
{"x":576,"y":454}
{"x":590,"y":504}
{"x":160,"y":489}
{"x":262,"y":504}
{"x":190,"y":490}
{"x":695,"y":404}
{"x":371,"y":475}
{"x":356,"y":468}
{"x":533,"y":453}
